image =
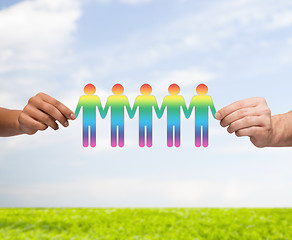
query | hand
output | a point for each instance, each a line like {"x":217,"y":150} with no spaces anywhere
{"x":250,"y":117}
{"x":41,"y":112}
{"x":131,"y":114}
{"x":159,"y":113}
{"x":188,"y":113}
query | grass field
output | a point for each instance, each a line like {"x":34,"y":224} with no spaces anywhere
{"x":184,"y":223}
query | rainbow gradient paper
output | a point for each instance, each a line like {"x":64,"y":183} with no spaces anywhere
{"x":89,"y":102}
{"x":201,"y":103}
{"x":146,"y":103}
{"x":173,"y":103}
{"x":117,"y":103}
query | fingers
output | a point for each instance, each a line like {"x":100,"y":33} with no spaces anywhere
{"x":246,"y":103}
{"x":239,"y":114}
{"x":60,"y":106}
{"x":245,"y":122}
{"x":43,"y":111}
{"x":29,"y":125}
{"x":52,"y":111}
{"x":42,"y":117}
{"x":53,"y":108}
{"x":250,"y":117}
{"x":248,"y":132}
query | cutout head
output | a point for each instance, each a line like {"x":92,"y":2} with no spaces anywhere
{"x":173,"y":89}
{"x":202,"y":89}
{"x":118,"y":89}
{"x":89,"y":89}
{"x":146,"y":89}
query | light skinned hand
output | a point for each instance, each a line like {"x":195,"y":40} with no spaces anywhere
{"x":249,"y":117}
{"x":41,"y":112}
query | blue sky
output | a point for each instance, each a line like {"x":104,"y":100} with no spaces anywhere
{"x":240,"y":49}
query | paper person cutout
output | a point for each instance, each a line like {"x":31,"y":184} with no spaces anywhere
{"x":117,"y":103}
{"x":173,"y":103}
{"x":89,"y":102}
{"x":201,"y":103}
{"x":146,"y":102}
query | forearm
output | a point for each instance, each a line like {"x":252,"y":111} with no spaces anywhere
{"x":104,"y":112}
{"x":77,"y":110}
{"x":129,"y":110}
{"x":185,"y":110}
{"x":189,"y":110}
{"x":133,"y":111}
{"x":9,"y":125}
{"x":282,"y":130}
{"x":156,"y":109}
{"x":213,"y":110}
{"x":160,"y":112}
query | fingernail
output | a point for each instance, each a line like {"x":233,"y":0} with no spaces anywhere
{"x":218,"y":116}
{"x":72,"y":116}
{"x":66,"y":124}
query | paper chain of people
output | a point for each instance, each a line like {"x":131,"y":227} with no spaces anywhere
{"x":145,"y":103}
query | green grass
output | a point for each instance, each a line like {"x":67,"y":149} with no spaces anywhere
{"x":180,"y":223}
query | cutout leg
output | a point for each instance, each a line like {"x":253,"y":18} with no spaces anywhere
{"x":205,"y":136}
{"x":114,"y":136}
{"x":121,"y":135}
{"x":149,"y":135}
{"x":177,"y":135}
{"x":92,"y":135}
{"x":170,"y":135}
{"x":198,"y":135}
{"x":142,"y":135}
{"x":85,"y":136}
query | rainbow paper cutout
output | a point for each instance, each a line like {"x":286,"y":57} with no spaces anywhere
{"x":201,"y":103}
{"x":117,"y":103}
{"x":174,"y":103}
{"x":89,"y":102}
{"x":145,"y":102}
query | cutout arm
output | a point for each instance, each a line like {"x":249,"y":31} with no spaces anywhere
{"x":190,"y":109}
{"x":105,"y":110}
{"x":100,"y":108}
{"x":156,"y":108}
{"x":134,"y":109}
{"x":161,"y":111}
{"x":128,"y":107}
{"x":78,"y":108}
{"x":185,"y":109}
{"x":212,"y":107}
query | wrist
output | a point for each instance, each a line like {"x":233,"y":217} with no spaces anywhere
{"x":9,"y":124}
{"x":282,"y":130}
{"x":17,"y":123}
{"x":275,"y":135}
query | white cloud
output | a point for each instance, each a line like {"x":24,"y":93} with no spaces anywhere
{"x":130,"y":2}
{"x":242,"y":148}
{"x":81,"y":76}
{"x":36,"y":35}
{"x":222,"y":25}
{"x":183,"y":77}
{"x":281,"y":20}
{"x":33,"y":33}
{"x":123,"y":192}
{"x":8,"y":100}
{"x":135,"y":2}
{"x":104,"y":1}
